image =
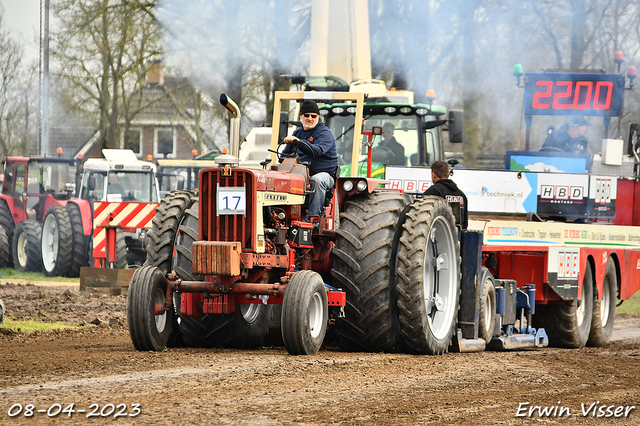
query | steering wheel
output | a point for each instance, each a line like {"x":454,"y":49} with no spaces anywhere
{"x":295,"y":153}
{"x":550,"y":149}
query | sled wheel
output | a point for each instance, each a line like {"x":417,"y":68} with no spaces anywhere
{"x":429,"y":276}
{"x":149,"y":330}
{"x":568,"y":324}
{"x":487,"y":306}
{"x":26,"y":246}
{"x":304,"y":313}
{"x":604,"y":310}
{"x":57,"y":241}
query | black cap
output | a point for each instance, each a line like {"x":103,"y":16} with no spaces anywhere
{"x":309,"y":106}
{"x":578,"y":120}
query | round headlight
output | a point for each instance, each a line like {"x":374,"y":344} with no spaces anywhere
{"x":405,"y":110}
{"x":351,"y":110}
{"x":390,"y":110}
{"x":361,"y":185}
{"x":337,"y":110}
{"x":421,"y":111}
{"x":347,"y":185}
{"x":324,"y":111}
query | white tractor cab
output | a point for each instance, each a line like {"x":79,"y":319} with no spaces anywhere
{"x":178,"y":174}
{"x":119,"y":177}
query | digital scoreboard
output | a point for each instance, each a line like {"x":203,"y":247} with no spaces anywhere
{"x":573,"y":94}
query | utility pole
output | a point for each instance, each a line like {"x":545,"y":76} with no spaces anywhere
{"x":44,"y":93}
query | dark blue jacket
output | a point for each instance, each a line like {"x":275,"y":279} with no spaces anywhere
{"x":324,"y":147}
{"x":561,"y":140}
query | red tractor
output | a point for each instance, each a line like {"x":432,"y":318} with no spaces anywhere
{"x":45,"y":227}
{"x":222,"y":262}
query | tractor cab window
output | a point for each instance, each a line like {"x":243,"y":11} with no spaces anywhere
{"x":93,"y":186}
{"x":52,"y":178}
{"x":9,"y":174}
{"x":131,"y":186}
{"x":19,"y":186}
{"x":399,"y":146}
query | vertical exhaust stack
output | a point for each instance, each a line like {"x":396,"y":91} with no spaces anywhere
{"x":234,"y":124}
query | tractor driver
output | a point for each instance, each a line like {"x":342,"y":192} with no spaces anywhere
{"x":115,"y":187}
{"x":569,"y":137}
{"x":444,"y":187}
{"x":390,"y":143}
{"x":324,"y":163}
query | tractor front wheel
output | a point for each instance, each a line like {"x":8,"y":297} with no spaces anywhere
{"x":149,"y":324}
{"x":27,"y":237}
{"x":57,"y":241}
{"x":304,"y":313}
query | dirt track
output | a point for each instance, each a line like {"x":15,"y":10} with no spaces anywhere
{"x":98,"y":365}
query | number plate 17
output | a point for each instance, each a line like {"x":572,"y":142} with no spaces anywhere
{"x":231,"y":200}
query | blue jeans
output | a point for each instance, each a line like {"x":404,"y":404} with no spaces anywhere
{"x":323,"y":181}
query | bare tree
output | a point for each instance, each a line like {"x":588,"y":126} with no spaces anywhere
{"x":101,"y":48}
{"x":18,"y":87}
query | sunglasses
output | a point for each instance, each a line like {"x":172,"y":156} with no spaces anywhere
{"x":310,"y":115}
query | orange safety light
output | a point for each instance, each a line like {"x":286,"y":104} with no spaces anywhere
{"x":59,"y":150}
{"x":149,"y":157}
{"x":203,"y":152}
{"x":224,"y":150}
{"x":80,"y":155}
{"x":194,"y":152}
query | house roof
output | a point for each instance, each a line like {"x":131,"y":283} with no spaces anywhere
{"x":70,"y":139}
{"x":163,"y":103}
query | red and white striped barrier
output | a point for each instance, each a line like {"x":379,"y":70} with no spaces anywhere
{"x":108,"y":216}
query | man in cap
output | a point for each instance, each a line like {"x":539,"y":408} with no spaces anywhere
{"x":569,"y":137}
{"x":323,"y":163}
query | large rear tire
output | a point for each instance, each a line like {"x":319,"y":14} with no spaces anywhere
{"x":161,"y":237}
{"x":568,"y":324}
{"x":429,"y":276}
{"x":246,"y":328}
{"x":304,"y":313}
{"x":363,"y":266}
{"x":149,"y":330}
{"x":27,"y":238}
{"x":57,"y":241}
{"x":6,"y":221}
{"x":604,"y":310}
{"x":5,"y":249}
{"x":79,"y":254}
{"x":487,"y":306}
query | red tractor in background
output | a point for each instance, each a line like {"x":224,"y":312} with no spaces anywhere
{"x":43,"y":227}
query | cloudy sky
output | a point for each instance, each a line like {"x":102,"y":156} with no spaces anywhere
{"x":22,"y":20}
